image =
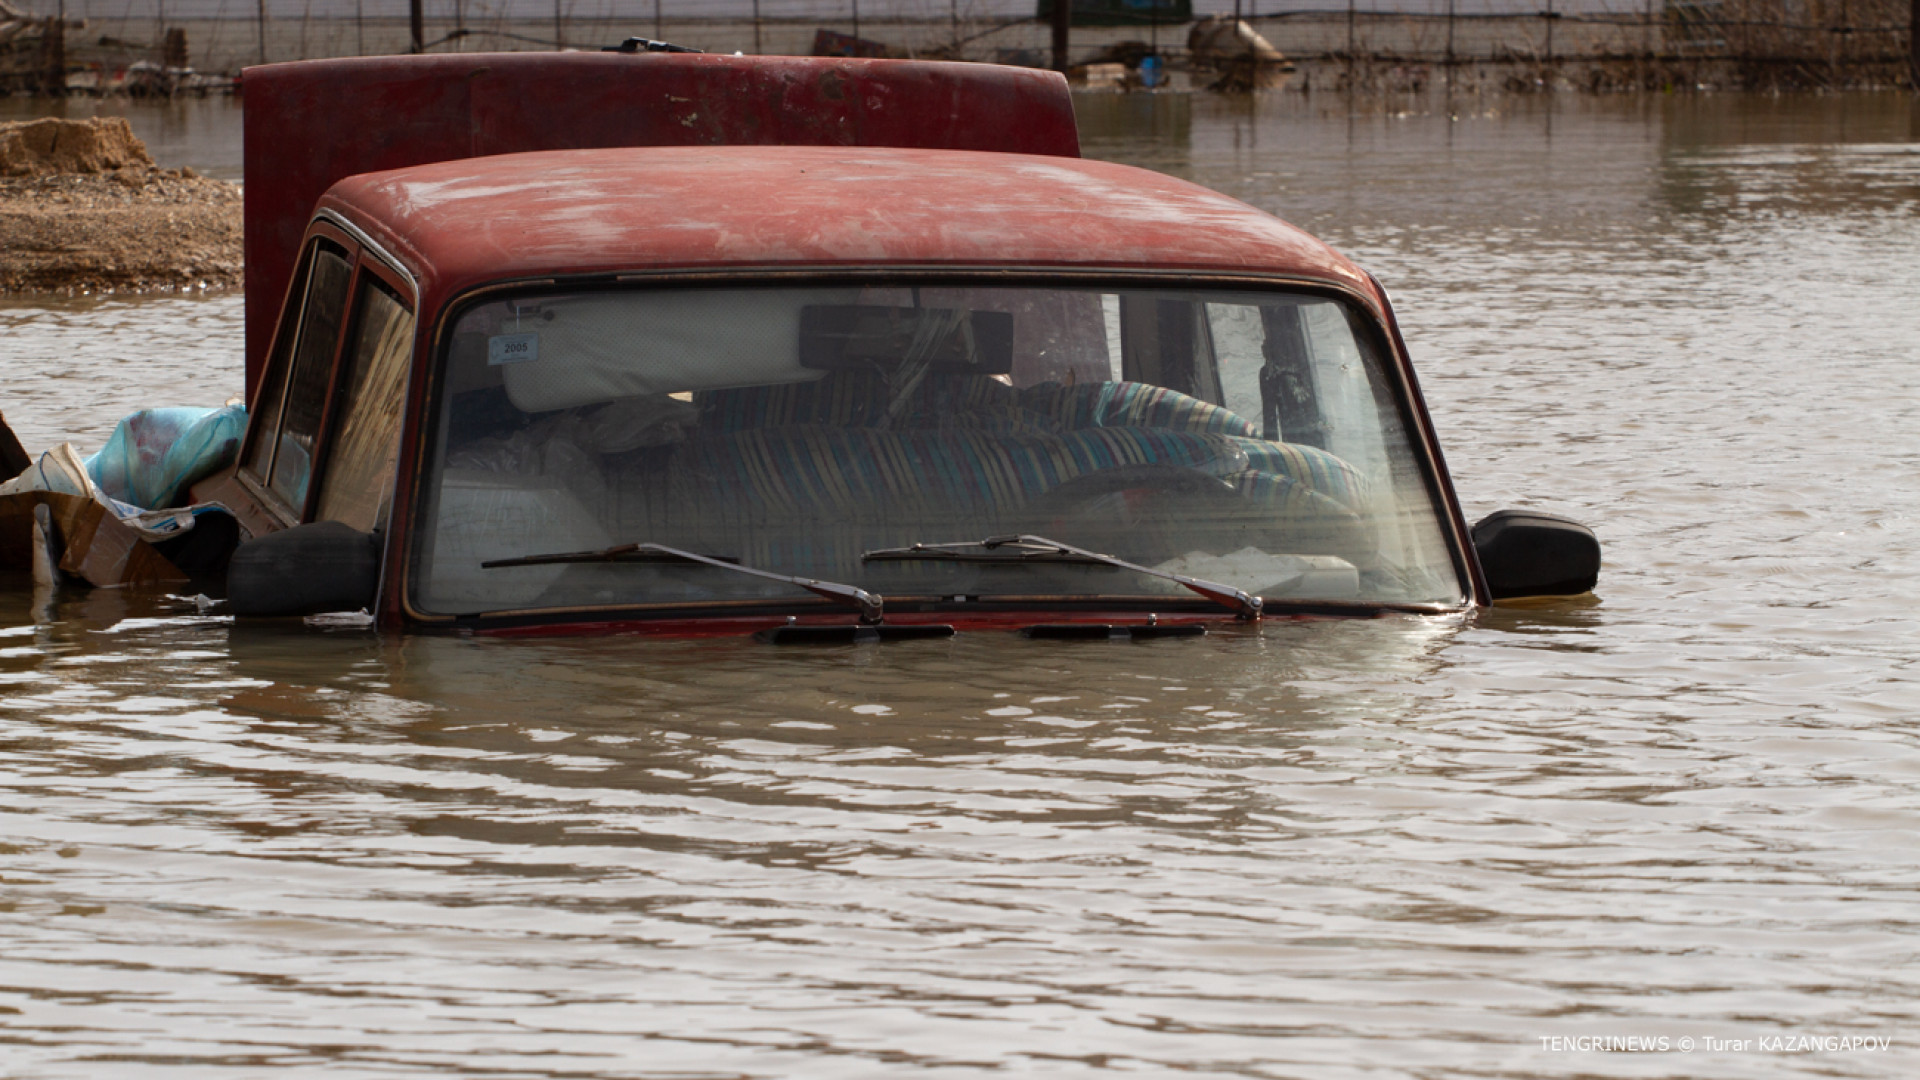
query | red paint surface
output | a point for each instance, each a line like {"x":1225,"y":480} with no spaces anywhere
{"x":457,"y":225}
{"x":710,"y":164}
{"x":311,"y":123}
{"x":462,"y":224}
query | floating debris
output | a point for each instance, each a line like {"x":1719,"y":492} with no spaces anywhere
{"x":1236,"y":55}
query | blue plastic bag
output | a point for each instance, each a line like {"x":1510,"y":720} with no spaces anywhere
{"x":154,"y":455}
{"x":1151,"y":71}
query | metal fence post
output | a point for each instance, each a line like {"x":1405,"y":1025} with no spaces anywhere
{"x":1062,"y":27}
{"x":1350,"y":46}
{"x":1913,"y":47}
{"x":53,"y":56}
{"x":1548,"y":16}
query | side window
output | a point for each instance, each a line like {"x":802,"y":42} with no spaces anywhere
{"x":308,"y":375}
{"x":373,"y":383}
{"x":273,"y":382}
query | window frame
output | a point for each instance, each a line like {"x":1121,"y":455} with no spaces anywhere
{"x":1371,"y":319}
{"x":276,"y":375}
{"x":364,"y":260}
{"x":347,"y":376}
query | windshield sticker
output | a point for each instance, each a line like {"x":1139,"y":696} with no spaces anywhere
{"x":512,"y":349}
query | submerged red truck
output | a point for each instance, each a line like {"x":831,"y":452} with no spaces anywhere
{"x":815,"y":349}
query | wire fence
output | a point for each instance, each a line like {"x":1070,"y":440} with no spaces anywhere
{"x":1588,"y":42}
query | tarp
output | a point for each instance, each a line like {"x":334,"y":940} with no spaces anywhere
{"x":107,"y":510}
{"x":154,"y":455}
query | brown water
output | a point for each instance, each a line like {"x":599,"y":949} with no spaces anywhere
{"x":1396,"y":848}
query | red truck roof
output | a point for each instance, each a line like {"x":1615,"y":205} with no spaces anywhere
{"x":459,"y":224}
{"x":311,"y":123}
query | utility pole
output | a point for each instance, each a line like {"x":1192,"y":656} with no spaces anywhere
{"x":1913,"y":47}
{"x":418,"y":21}
{"x":1062,"y":23}
{"x":1350,"y":46}
{"x":756,"y":27}
{"x":1549,"y":17}
{"x":53,"y":55}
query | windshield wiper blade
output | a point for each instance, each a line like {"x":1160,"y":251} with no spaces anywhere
{"x":1027,"y":547}
{"x":872,"y":606}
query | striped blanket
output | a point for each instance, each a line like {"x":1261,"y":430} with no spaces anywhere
{"x":805,"y":474}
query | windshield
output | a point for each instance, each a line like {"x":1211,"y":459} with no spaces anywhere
{"x":1251,"y":438}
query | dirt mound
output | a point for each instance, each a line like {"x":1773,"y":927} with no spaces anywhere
{"x":84,"y":209}
{"x":53,"y":146}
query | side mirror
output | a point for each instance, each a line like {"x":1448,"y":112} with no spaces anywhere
{"x":1526,"y":554}
{"x":305,"y":570}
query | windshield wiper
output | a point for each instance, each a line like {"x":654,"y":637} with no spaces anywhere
{"x":870,"y":605}
{"x":1026,"y":547}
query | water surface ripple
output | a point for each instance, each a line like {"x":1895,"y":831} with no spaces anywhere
{"x":1395,"y":848}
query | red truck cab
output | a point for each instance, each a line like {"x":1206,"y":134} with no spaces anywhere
{"x":818,"y":349}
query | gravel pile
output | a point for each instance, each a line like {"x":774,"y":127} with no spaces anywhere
{"x":84,"y":209}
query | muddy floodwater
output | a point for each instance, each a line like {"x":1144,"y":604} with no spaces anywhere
{"x":1674,"y":832}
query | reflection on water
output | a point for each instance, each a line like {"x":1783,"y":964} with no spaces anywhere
{"x":1398,"y":847}
{"x":202,"y":132}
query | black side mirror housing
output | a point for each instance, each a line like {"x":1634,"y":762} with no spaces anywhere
{"x":1525,"y":553}
{"x":306,"y":570}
